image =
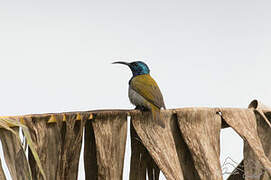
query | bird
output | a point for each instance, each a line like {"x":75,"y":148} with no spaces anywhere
{"x":143,"y":91}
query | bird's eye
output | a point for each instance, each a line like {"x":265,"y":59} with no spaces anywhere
{"x":135,"y":64}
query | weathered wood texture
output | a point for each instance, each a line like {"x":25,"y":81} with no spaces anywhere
{"x":253,"y":125}
{"x":264,"y":132}
{"x":14,"y":155}
{"x":201,"y":131}
{"x":141,"y":161}
{"x":184,"y":154}
{"x":90,"y":157}
{"x":58,"y":145}
{"x":244,"y":123}
{"x":159,"y":142}
{"x":188,"y":147}
{"x":2,"y":174}
{"x":110,"y":131}
{"x":253,"y":168}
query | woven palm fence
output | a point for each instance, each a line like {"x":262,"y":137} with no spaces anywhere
{"x":187,"y":148}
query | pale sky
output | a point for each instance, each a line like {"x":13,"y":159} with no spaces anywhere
{"x":56,"y":55}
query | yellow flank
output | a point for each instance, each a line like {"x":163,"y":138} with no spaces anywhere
{"x":145,"y":84}
{"x":148,"y":88}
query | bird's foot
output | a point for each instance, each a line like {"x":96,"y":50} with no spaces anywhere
{"x":141,"y":108}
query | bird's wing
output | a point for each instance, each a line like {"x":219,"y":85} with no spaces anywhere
{"x":148,"y":88}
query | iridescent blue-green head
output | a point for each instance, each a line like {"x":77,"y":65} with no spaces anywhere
{"x":137,"y":67}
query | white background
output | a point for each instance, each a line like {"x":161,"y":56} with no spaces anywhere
{"x":56,"y":55}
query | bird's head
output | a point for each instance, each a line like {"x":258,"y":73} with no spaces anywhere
{"x":137,"y":67}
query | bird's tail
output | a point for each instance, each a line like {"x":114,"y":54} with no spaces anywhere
{"x":156,"y":116}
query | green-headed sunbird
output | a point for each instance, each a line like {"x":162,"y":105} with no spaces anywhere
{"x":144,"y":92}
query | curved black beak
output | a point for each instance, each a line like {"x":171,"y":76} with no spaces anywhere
{"x":121,"y":62}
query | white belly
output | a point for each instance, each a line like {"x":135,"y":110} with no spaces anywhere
{"x":136,"y":99}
